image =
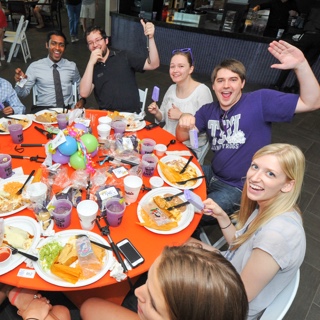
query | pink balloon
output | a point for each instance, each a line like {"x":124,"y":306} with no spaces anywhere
{"x":60,"y":158}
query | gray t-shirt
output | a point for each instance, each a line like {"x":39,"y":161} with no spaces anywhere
{"x":283,"y":238}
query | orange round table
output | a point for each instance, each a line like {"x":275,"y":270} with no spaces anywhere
{"x":149,"y":244}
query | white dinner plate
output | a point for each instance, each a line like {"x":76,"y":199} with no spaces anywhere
{"x":52,"y":111}
{"x":63,"y":237}
{"x":186,"y":216}
{"x":28,"y":224}
{"x":17,"y":116}
{"x":183,"y":187}
{"x":22,"y":179}
{"x":139,"y":124}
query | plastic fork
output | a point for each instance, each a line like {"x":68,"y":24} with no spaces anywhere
{"x":185,"y":181}
{"x":21,"y":189}
{"x":29,"y":256}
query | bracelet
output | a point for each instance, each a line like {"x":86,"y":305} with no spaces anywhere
{"x":227,"y":225}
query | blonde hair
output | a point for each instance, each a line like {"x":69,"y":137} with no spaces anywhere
{"x":200,"y":285}
{"x":292,"y":162}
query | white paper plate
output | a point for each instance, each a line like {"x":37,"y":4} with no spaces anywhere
{"x":28,"y":224}
{"x":17,"y":116}
{"x":187,"y":215}
{"x":63,"y":237}
{"x":52,"y":111}
{"x":22,"y":179}
{"x":140,"y":124}
{"x":183,"y":187}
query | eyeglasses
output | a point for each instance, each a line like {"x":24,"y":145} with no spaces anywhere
{"x":95,"y":42}
{"x":222,"y":120}
{"x":185,"y":50}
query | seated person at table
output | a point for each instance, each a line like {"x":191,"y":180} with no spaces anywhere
{"x":240,"y":124}
{"x":111,"y":74}
{"x":9,"y":100}
{"x":31,"y":305}
{"x":40,"y":74}
{"x":187,"y":283}
{"x":37,"y":12}
{"x":267,"y":245}
{"x":186,"y":95}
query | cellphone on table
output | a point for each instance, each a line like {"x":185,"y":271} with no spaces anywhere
{"x":152,"y":125}
{"x":130,"y":252}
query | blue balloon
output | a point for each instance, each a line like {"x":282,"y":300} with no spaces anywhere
{"x":69,"y":147}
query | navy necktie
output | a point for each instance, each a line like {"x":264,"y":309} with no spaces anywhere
{"x":57,"y":87}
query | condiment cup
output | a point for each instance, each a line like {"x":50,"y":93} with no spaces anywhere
{"x":5,"y":256}
{"x":156,"y":182}
{"x":160,"y":149}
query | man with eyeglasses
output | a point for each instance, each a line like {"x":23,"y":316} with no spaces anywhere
{"x":239,"y":124}
{"x":111,"y":73}
{"x":40,"y":74}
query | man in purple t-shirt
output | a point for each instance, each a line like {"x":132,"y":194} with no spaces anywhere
{"x":240,"y":124}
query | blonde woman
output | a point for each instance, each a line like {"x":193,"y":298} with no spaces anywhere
{"x":267,"y":245}
{"x":184,"y":283}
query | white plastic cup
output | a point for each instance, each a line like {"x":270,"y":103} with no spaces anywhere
{"x":160,"y":149}
{"x":37,"y":192}
{"x":132,"y":186}
{"x":105,"y":120}
{"x":103,"y":130}
{"x":87,"y":213}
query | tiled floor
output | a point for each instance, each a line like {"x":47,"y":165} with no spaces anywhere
{"x":304,"y":132}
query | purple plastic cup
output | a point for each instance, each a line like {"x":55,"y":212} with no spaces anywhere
{"x":62,"y":120}
{"x":5,"y":166}
{"x":115,"y":211}
{"x":147,"y":146}
{"x":149,"y":162}
{"x":119,"y":126}
{"x":16,"y":132}
{"x":62,"y":213}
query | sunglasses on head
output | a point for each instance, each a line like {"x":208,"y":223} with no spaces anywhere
{"x":184,"y":50}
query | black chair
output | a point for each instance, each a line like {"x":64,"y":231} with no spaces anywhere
{"x":16,"y":10}
{"x":53,"y":14}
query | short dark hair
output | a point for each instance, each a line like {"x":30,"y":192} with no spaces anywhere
{"x":96,"y":29}
{"x":56,"y":33}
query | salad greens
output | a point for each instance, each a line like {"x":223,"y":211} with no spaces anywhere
{"x":48,"y":254}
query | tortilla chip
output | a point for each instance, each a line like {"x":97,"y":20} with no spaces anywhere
{"x":66,"y":273}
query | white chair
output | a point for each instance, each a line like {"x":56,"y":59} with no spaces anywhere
{"x":281,"y":304}
{"x":143,"y":99}
{"x":18,"y":40}
{"x":74,"y":94}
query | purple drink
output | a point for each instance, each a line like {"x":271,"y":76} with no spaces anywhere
{"x":62,"y":213}
{"x":5,"y":166}
{"x":16,"y":132}
{"x":115,"y":211}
